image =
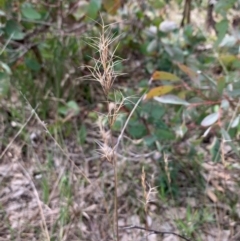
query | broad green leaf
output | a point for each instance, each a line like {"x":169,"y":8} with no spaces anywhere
{"x":119,"y":122}
{"x":164,"y":134}
{"x":228,"y":41}
{"x":210,"y":119}
{"x":73,"y":106}
{"x":111,"y":6}
{"x":189,"y":72}
{"x":32,"y":64}
{"x":136,"y":129}
{"x":195,"y":100}
{"x":175,"y":52}
{"x":29,"y":12}
{"x":13,"y":30}
{"x":158,"y":91}
{"x":5,"y":67}
{"x":70,"y":106}
{"x":63,"y":110}
{"x":222,"y":6}
{"x":93,"y":8}
{"x":171,"y":99}
{"x":227,"y":59}
{"x":162,"y":75}
{"x":150,"y":140}
{"x":152,"y":110}
{"x":157,"y":4}
{"x":222,"y":28}
{"x":152,"y":46}
{"x":235,"y":122}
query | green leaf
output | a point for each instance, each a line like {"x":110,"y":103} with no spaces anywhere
{"x":235,"y":122}
{"x":82,"y":134}
{"x":222,"y":6}
{"x":164,"y":135}
{"x":119,"y":122}
{"x":157,"y":4}
{"x":210,"y":119}
{"x":150,"y":140}
{"x":29,"y":12}
{"x":63,"y":110}
{"x":70,"y":106}
{"x":152,"y":46}
{"x":13,"y":30}
{"x":152,"y":112}
{"x":6,"y":68}
{"x":73,"y":106}
{"x":175,"y":52}
{"x":222,"y":28}
{"x":136,"y":129}
{"x":32,"y":64}
{"x":93,"y":8}
{"x":157,"y":113}
{"x":171,"y":99}
{"x":228,"y":41}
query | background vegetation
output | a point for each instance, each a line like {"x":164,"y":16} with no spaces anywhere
{"x":118,"y":113}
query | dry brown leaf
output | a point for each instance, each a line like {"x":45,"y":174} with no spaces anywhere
{"x":212,"y":196}
{"x":215,"y":184}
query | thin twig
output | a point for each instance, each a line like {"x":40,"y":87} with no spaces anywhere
{"x":155,"y":231}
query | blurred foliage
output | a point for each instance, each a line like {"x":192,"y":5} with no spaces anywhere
{"x":44,"y":48}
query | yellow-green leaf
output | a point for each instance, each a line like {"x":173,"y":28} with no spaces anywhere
{"x":162,"y":75}
{"x":227,"y":59}
{"x":189,"y":72}
{"x":158,"y":91}
{"x":182,"y":94}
